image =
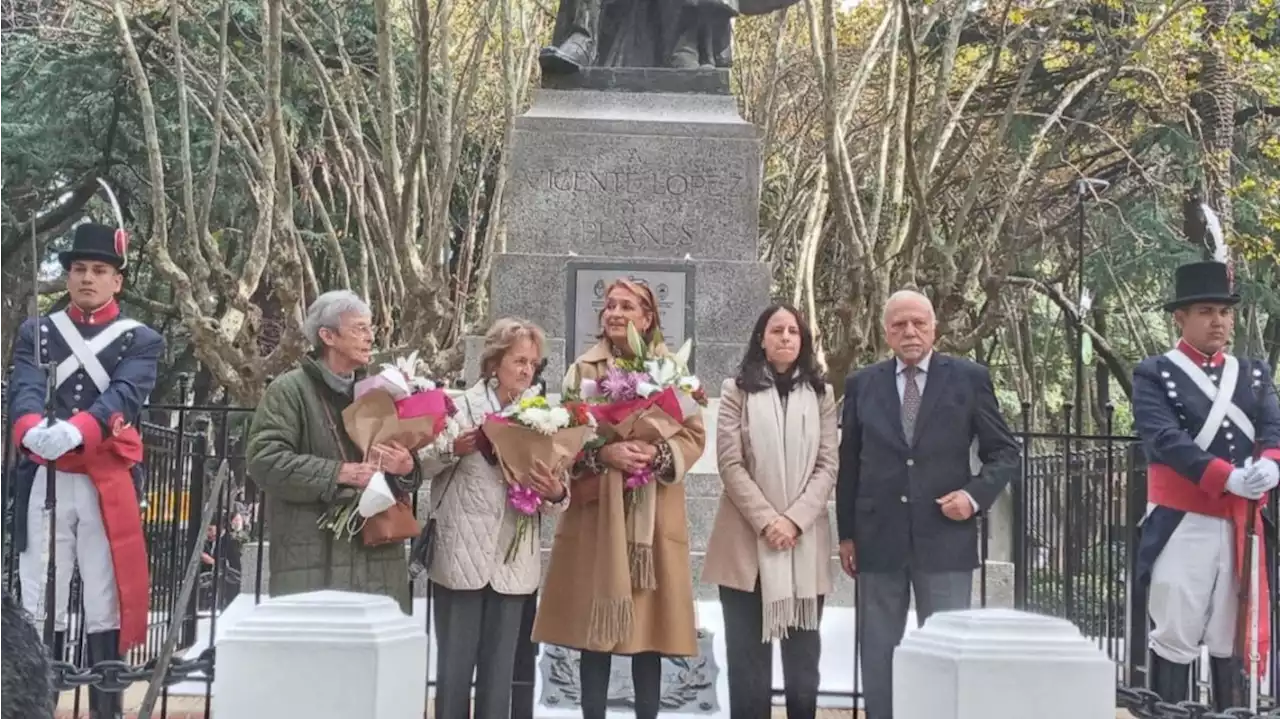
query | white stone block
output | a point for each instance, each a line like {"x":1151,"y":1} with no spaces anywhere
{"x":1001,"y":664}
{"x":322,"y":655}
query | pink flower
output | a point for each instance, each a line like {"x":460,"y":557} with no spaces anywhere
{"x":524,"y":500}
{"x":639,"y":479}
{"x":619,"y":385}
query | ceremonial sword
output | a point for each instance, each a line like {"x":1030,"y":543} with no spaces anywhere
{"x":49,"y":550}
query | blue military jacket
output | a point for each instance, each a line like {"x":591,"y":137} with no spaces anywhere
{"x":1171,"y":406}
{"x":127,"y":355}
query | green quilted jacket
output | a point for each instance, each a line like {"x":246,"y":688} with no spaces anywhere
{"x":293,"y":455}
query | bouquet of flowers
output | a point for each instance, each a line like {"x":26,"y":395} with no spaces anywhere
{"x":529,"y":432}
{"x":645,"y":397}
{"x":394,"y":405}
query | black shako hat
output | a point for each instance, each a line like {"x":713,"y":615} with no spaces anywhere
{"x":1201,"y":282}
{"x":100,"y":242}
{"x":97,"y":242}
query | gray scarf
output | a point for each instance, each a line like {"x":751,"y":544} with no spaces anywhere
{"x":342,"y":384}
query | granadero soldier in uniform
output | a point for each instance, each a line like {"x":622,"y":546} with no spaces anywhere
{"x":105,"y":369}
{"x":1210,"y":425}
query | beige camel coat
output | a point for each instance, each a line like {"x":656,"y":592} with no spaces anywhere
{"x":733,"y":559}
{"x":663,"y":618}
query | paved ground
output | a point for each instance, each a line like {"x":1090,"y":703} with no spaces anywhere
{"x":193,"y":708}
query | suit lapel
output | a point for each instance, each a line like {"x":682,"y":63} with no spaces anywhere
{"x":935,"y":381}
{"x":887,"y":386}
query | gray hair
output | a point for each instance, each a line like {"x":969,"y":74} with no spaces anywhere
{"x":327,"y":311}
{"x":901,"y":295}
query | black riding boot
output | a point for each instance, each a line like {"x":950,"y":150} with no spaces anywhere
{"x":1169,"y":679}
{"x":57,"y":653}
{"x":104,"y":646}
{"x":1226,"y":678}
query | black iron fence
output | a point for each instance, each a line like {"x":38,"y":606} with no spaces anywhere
{"x":1074,"y":528}
{"x":1076,"y":514}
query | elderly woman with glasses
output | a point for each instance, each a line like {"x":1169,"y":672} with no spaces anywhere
{"x":300,"y":454}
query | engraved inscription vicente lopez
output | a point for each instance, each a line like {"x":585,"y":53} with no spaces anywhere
{"x":639,"y":182}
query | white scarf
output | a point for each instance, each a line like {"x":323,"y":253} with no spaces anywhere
{"x":784,"y":445}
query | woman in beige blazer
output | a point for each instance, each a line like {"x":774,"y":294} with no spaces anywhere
{"x":479,"y":594}
{"x":770,"y":548}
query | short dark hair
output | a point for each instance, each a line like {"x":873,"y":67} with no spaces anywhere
{"x":755,"y":375}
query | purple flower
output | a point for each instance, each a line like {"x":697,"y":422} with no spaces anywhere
{"x":619,"y":385}
{"x":524,"y":500}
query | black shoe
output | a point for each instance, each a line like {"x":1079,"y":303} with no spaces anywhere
{"x":104,"y":646}
{"x":1169,"y":679}
{"x":569,"y":57}
{"x":1226,"y":681}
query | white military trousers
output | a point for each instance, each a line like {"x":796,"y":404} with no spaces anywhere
{"x":80,"y":539}
{"x":1193,"y":598}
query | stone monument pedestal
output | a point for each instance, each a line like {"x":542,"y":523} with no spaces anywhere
{"x":642,"y":173}
{"x":322,"y":655}
{"x":1001,"y":664}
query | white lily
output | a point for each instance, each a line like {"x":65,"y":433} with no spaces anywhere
{"x":689,"y":384}
{"x":682,"y":354}
{"x":647,"y":389}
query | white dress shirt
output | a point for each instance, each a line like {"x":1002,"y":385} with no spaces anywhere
{"x":922,"y":378}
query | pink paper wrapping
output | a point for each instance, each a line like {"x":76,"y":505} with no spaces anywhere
{"x":430,"y":403}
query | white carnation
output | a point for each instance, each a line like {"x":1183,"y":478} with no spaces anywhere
{"x":560,"y":417}
{"x":539,"y":419}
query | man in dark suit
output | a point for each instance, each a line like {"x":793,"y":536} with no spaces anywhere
{"x":905,"y":497}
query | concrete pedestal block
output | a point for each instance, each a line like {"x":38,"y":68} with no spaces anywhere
{"x":1001,"y":664}
{"x":322,"y":655}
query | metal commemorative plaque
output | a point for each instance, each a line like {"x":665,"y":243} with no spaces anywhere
{"x":672,"y":285}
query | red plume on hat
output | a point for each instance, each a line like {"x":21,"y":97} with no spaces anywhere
{"x":121,"y":237}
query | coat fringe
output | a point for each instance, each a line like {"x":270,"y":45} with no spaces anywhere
{"x":610,"y":621}
{"x":643,"y":575}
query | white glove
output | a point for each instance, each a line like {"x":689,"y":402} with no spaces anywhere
{"x":31,"y":439}
{"x":53,"y":442}
{"x":1247,"y":482}
{"x":1264,"y":475}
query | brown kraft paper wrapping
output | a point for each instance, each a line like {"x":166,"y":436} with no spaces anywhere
{"x":518,"y":447}
{"x":372,"y":419}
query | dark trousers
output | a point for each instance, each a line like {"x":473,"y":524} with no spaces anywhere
{"x":526,"y":667}
{"x":476,"y":632}
{"x":750,"y":660}
{"x":883,"y":600}
{"x":646,"y":675}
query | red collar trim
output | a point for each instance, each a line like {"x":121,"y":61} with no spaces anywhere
{"x":101,"y":316}
{"x":1201,"y":358}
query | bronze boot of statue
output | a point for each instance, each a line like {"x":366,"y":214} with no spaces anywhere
{"x":576,"y":52}
{"x":686,"y":55}
{"x":722,"y":44}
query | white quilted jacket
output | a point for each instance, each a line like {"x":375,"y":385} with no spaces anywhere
{"x":474,"y":523}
